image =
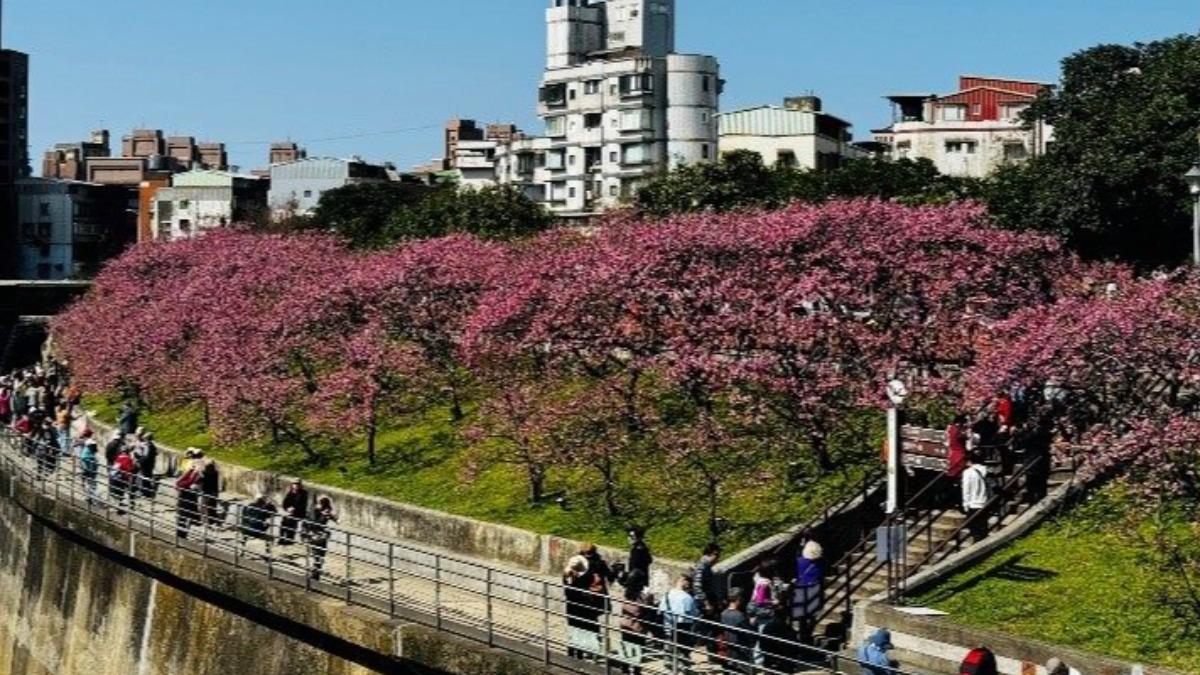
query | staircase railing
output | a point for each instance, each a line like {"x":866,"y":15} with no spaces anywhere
{"x":998,"y":504}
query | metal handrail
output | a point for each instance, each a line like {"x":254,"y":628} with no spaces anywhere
{"x":401,"y":580}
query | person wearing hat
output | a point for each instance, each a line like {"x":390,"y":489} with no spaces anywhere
{"x":146,"y":457}
{"x":873,"y":657}
{"x":583,"y":591}
{"x":1055,"y":666}
{"x":295,"y":508}
{"x":640,"y":557}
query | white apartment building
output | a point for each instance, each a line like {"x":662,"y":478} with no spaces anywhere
{"x":971,"y":132}
{"x":618,"y":105}
{"x":799,"y":134}
{"x":203,"y":200}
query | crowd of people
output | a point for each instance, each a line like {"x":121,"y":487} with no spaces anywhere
{"x":42,"y":406}
{"x":768,"y":626}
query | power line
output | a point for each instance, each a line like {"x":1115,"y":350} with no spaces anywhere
{"x":347,"y":137}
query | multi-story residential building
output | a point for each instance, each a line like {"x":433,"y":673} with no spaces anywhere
{"x":144,"y":143}
{"x":205,"y":199}
{"x":297,"y":187}
{"x":68,"y":161}
{"x":618,"y":102}
{"x":68,"y":228}
{"x":970,"y":132}
{"x":458,"y":131}
{"x":14,"y":146}
{"x":799,"y":134}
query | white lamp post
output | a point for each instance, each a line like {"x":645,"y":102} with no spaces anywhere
{"x":896,"y":392}
{"x":1193,"y":180}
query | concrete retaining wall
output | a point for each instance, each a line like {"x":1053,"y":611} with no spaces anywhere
{"x":935,"y":644}
{"x":81,"y":596}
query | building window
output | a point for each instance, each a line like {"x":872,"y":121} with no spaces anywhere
{"x":635,"y":153}
{"x":954,"y":113}
{"x":571,"y":93}
{"x":903,"y":148}
{"x":786,"y":158}
{"x":185,"y":225}
{"x":591,"y":87}
{"x":612,"y":89}
{"x":637,"y":84}
{"x":614,"y":156}
{"x":593,"y":120}
{"x":977,"y":109}
{"x":571,"y":160}
{"x":308,"y":194}
{"x":1013,"y":111}
{"x":960,"y":147}
{"x":571,"y":192}
{"x":704,"y":150}
{"x":1015,"y":151}
{"x":556,"y":127}
{"x":706,"y":84}
{"x":554,"y":160}
{"x":614,"y":190}
{"x":183,"y":204}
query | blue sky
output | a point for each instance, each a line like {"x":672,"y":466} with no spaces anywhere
{"x":251,"y":71}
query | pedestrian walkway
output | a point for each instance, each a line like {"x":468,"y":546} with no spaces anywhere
{"x":502,"y":608}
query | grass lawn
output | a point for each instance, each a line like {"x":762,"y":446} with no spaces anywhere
{"x":1077,"y":582}
{"x":424,"y":462}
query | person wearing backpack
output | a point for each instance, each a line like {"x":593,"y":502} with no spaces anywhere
{"x":979,"y":661}
{"x":976,"y":493}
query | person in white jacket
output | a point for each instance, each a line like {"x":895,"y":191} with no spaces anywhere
{"x":975,"y":496}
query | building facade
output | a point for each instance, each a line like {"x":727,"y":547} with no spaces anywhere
{"x":618,"y":103}
{"x":799,"y":134}
{"x":14,"y":147}
{"x":971,"y":132}
{"x":68,"y":228}
{"x":297,"y":187}
{"x":68,"y":161}
{"x":203,"y":200}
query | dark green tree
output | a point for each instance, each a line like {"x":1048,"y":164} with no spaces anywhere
{"x":1125,"y":122}
{"x":740,"y":180}
{"x":500,"y":212}
{"x":361,"y":213}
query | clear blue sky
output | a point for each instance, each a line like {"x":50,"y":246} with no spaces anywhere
{"x":243,"y":71}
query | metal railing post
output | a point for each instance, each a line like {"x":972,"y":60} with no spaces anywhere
{"x":546,"y":620}
{"x":392,"y":580}
{"x":488,"y":591}
{"x":437,"y":590}
{"x":349,"y":553}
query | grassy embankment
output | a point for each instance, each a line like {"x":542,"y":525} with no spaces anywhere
{"x":1082,"y":581}
{"x":425,"y":461}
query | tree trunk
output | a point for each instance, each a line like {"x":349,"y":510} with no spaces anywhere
{"x":608,"y":472}
{"x":820,"y":447}
{"x":372,"y":431}
{"x":714,"y":527}
{"x":537,"y":483}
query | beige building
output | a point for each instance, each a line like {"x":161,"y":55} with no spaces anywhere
{"x":799,"y":134}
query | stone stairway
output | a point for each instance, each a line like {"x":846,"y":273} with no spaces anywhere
{"x":933,"y":534}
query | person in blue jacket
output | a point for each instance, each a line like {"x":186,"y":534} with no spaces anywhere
{"x":873,"y":654}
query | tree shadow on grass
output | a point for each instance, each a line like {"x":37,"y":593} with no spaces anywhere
{"x":1009,"y":570}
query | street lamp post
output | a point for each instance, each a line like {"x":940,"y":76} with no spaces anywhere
{"x":896,"y":392}
{"x":1193,"y":181}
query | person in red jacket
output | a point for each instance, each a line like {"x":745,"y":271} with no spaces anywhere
{"x":956,"y":455}
{"x":120,"y":479}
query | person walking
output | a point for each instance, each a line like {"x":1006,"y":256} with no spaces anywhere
{"x":709,"y":598}
{"x":89,"y":468}
{"x":975,"y":496}
{"x":636,"y":622}
{"x":808,"y":594}
{"x":585,"y":603}
{"x":640,"y":557}
{"x":256,"y":520}
{"x":318,"y":535}
{"x":127,"y":418}
{"x":120,"y":480}
{"x":113,"y":448}
{"x":295,"y":507}
{"x":680,"y":614}
{"x":187,"y":488}
{"x":873,"y":655}
{"x":737,"y":636}
{"x":956,"y":458}
{"x":6,"y":410}
{"x":146,"y":458}
{"x":777,"y":643}
{"x":210,"y":489}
